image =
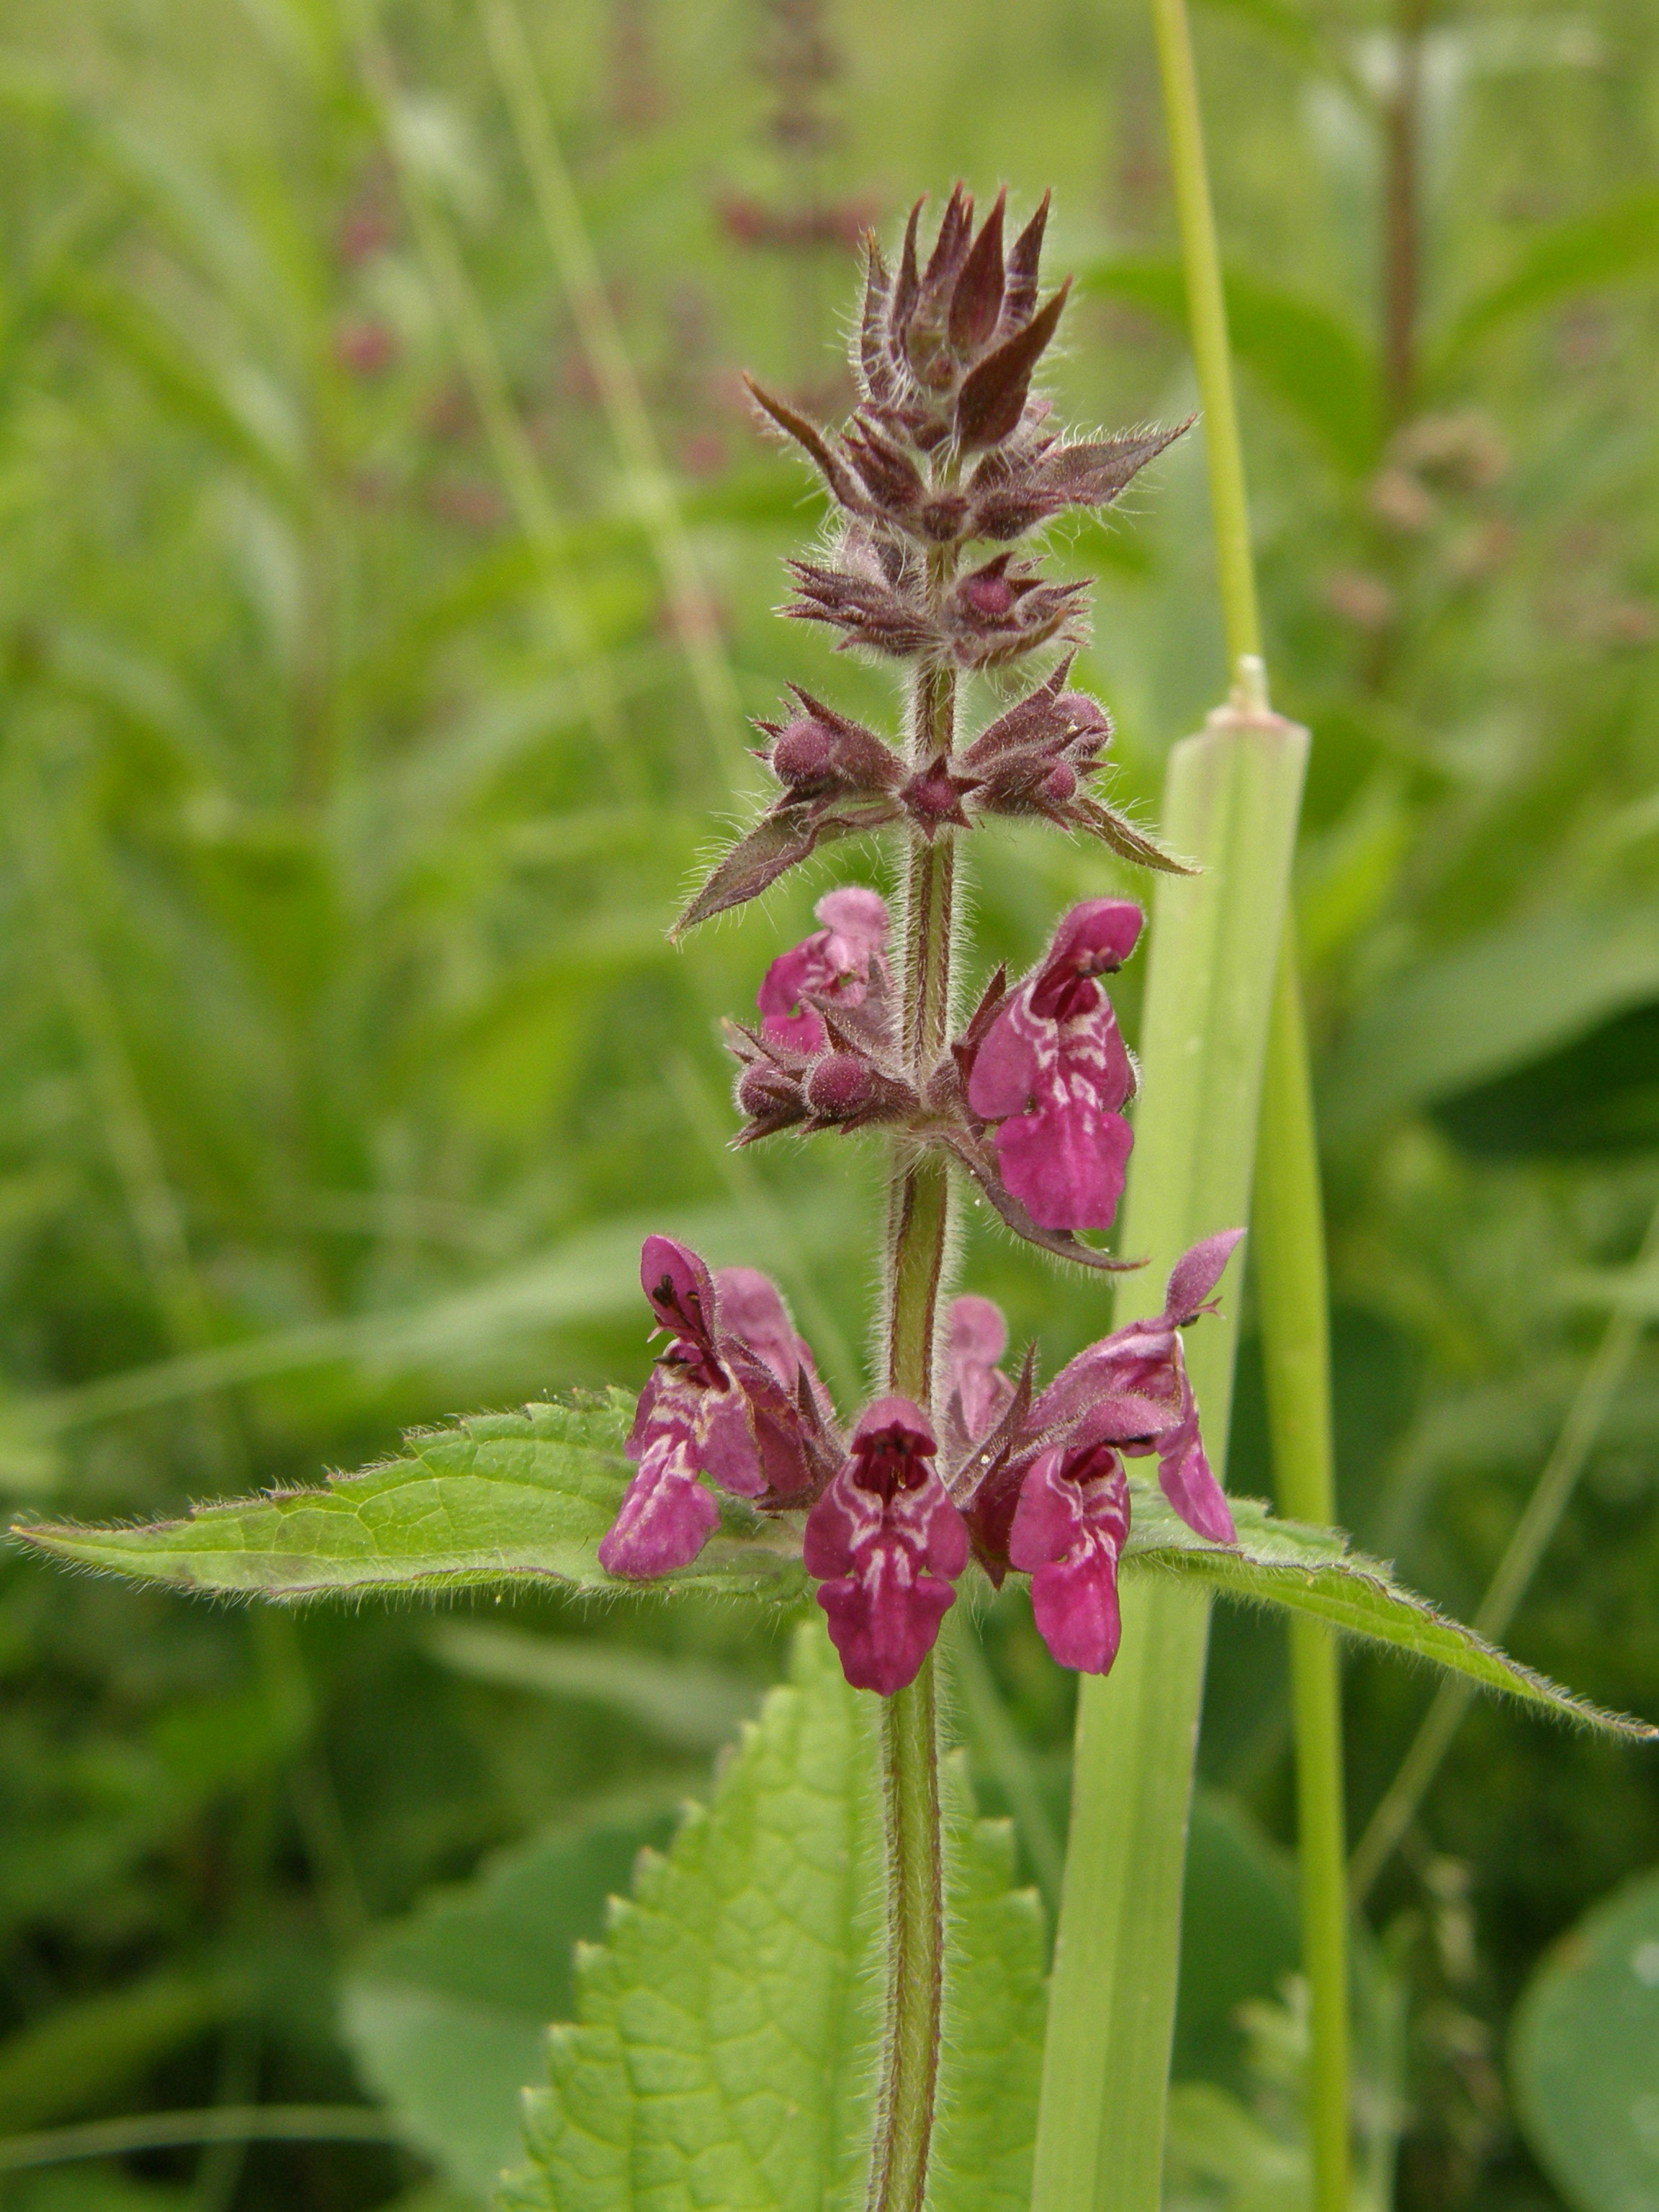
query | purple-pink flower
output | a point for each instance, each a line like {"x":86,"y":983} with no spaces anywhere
{"x":1051,"y":1072}
{"x":837,"y":963}
{"x":1032,"y":1481}
{"x":1068,"y":1531}
{"x":976,"y":1336}
{"x":733,"y":1398}
{"x":1131,"y":1389}
{"x":887,"y":1544}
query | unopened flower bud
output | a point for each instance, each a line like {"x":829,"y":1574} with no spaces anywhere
{"x":805,"y":753}
{"x":770,"y":1096}
{"x":839,"y":1084}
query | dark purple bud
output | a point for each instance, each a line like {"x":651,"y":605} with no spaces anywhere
{"x":977,"y":300}
{"x":992,"y":395}
{"x":840,"y":1086}
{"x":932,"y":797}
{"x":895,"y":483}
{"x":1019,"y":297}
{"x":990,"y":591}
{"x":770,"y":1098}
{"x":821,"y":752}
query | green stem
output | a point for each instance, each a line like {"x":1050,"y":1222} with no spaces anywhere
{"x":918,"y":1224}
{"x":1291,"y":1290}
{"x":1231,"y":802}
{"x":1290,"y":1254}
{"x":1207,"y":318}
{"x":915,"y":1955}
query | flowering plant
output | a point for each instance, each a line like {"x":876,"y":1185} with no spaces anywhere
{"x":740,"y":2073}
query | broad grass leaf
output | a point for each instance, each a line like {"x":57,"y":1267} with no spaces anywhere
{"x":726,"y":2032}
{"x":1610,"y":245}
{"x":71,"y":2059}
{"x":1498,"y":1003}
{"x":1584,"y":2056}
{"x":593,"y":1274}
{"x":446,"y":2011}
{"x":1312,"y":1571}
{"x":192,"y":388}
{"x":688,"y":1702}
{"x":497,"y":1499}
{"x":1302,"y":354}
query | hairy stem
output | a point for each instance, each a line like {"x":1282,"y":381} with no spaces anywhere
{"x":918,"y":1210}
{"x":916,"y":1947}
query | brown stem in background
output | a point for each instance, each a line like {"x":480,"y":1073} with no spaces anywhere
{"x":1402,"y":240}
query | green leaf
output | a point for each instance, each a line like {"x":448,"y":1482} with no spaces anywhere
{"x":447,"y":2011}
{"x":1496,"y":1003}
{"x":686,"y":1702}
{"x":1585,"y":2057}
{"x":1312,"y":1571}
{"x":1609,"y":245}
{"x":71,"y":2060}
{"x":499,"y":1497}
{"x":1308,"y":359}
{"x":724,"y":2046}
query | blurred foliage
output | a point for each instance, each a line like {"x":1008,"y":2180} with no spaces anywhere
{"x":354,"y":761}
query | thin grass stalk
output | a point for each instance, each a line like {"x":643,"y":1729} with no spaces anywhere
{"x":236,"y":2124}
{"x":1290,"y":1241}
{"x":1602,"y":1381}
{"x":1231,"y":803}
{"x":1294,"y":1307}
{"x":690,"y":606}
{"x":516,"y":465}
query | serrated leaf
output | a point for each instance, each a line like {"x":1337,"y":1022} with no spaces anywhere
{"x":727,"y":2031}
{"x":498,"y":1497}
{"x":1312,"y":1571}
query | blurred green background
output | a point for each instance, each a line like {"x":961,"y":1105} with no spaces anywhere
{"x":355,"y":754}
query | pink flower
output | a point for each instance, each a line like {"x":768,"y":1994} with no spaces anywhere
{"x":1044,"y":1489}
{"x":839,"y":962}
{"x":733,"y":1398}
{"x":1131,"y":1389}
{"x":1069,"y":1528}
{"x":1053,"y":1072}
{"x":977,"y":1337}
{"x":887,"y":1544}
